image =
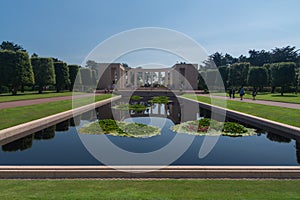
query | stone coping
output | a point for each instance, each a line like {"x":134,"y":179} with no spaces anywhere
{"x":16,"y":132}
{"x":174,"y":172}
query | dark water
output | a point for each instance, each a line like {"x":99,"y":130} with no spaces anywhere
{"x":61,"y":144}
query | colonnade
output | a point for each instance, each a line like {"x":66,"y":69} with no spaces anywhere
{"x":163,"y":77}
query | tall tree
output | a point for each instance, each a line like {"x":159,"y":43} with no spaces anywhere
{"x":27,"y":71}
{"x":86,"y":76}
{"x":94,"y":77}
{"x":283,"y":74}
{"x":73,"y":75}
{"x":218,"y":59}
{"x":6,"y":45}
{"x":61,"y":75}
{"x":15,"y":70}
{"x":7,"y":63}
{"x":43,"y":69}
{"x":201,"y":80}
{"x":243,"y":58}
{"x":284,"y":54}
{"x":238,"y":73}
{"x":259,"y":58}
{"x":211,"y":76}
{"x":258,"y":77}
{"x":92,"y":65}
{"x":229,"y":60}
{"x":224,"y":71}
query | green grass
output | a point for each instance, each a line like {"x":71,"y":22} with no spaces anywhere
{"x":149,"y":189}
{"x":287,"y":97}
{"x":34,"y":95}
{"x":280,"y":114}
{"x":18,"y":115}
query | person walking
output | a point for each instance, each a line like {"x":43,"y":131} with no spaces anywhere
{"x":242,"y":92}
{"x":230,"y":93}
{"x":233,"y":93}
{"x":254,"y":93}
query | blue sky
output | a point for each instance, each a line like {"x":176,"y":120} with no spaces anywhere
{"x":70,"y":29}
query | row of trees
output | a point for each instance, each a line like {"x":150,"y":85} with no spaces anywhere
{"x":278,"y":67}
{"x":17,"y":70}
{"x":258,"y":57}
{"x":282,"y":74}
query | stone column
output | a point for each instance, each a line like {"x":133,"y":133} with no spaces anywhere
{"x":129,"y":77}
{"x":166,"y":78}
{"x":143,"y":78}
{"x":123,"y":79}
{"x":135,"y":79}
{"x":171,"y":78}
{"x":159,"y":78}
{"x":152,"y":79}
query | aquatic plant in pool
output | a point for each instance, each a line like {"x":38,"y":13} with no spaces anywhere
{"x":136,"y":97}
{"x":117,"y":128}
{"x":135,"y":107}
{"x":160,"y":99}
{"x":207,"y":126}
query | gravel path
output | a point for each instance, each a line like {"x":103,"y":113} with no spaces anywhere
{"x":13,"y":104}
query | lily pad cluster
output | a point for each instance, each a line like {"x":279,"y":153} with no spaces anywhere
{"x":117,"y":128}
{"x":207,"y":126}
{"x":160,"y":99}
{"x":135,"y":107}
{"x":136,"y":97}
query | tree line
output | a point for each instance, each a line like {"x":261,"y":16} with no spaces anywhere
{"x":18,"y":70}
{"x":276,"y":68}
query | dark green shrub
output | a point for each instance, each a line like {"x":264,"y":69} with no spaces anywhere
{"x":232,"y":127}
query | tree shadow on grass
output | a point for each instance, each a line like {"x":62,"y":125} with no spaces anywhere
{"x":284,"y":95}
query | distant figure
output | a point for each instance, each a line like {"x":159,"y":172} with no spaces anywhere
{"x":233,"y":93}
{"x":230,"y":93}
{"x":242,"y":92}
{"x":254,"y":93}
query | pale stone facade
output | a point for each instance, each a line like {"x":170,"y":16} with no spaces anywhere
{"x":180,"y":76}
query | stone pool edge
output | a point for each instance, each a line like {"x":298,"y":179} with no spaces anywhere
{"x":150,"y":172}
{"x":16,"y":132}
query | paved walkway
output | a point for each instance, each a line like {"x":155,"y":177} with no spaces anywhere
{"x":269,"y":103}
{"x":13,"y":104}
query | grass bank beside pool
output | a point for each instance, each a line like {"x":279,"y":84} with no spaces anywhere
{"x":284,"y":115}
{"x":149,"y":189}
{"x":287,"y":97}
{"x":18,"y":115}
{"x":34,"y":95}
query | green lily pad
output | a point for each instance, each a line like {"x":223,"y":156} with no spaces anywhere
{"x":117,"y":128}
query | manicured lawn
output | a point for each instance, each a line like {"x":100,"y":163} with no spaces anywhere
{"x":284,"y":115}
{"x":34,"y":95}
{"x":287,"y":97}
{"x":18,"y":115}
{"x":149,"y":189}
